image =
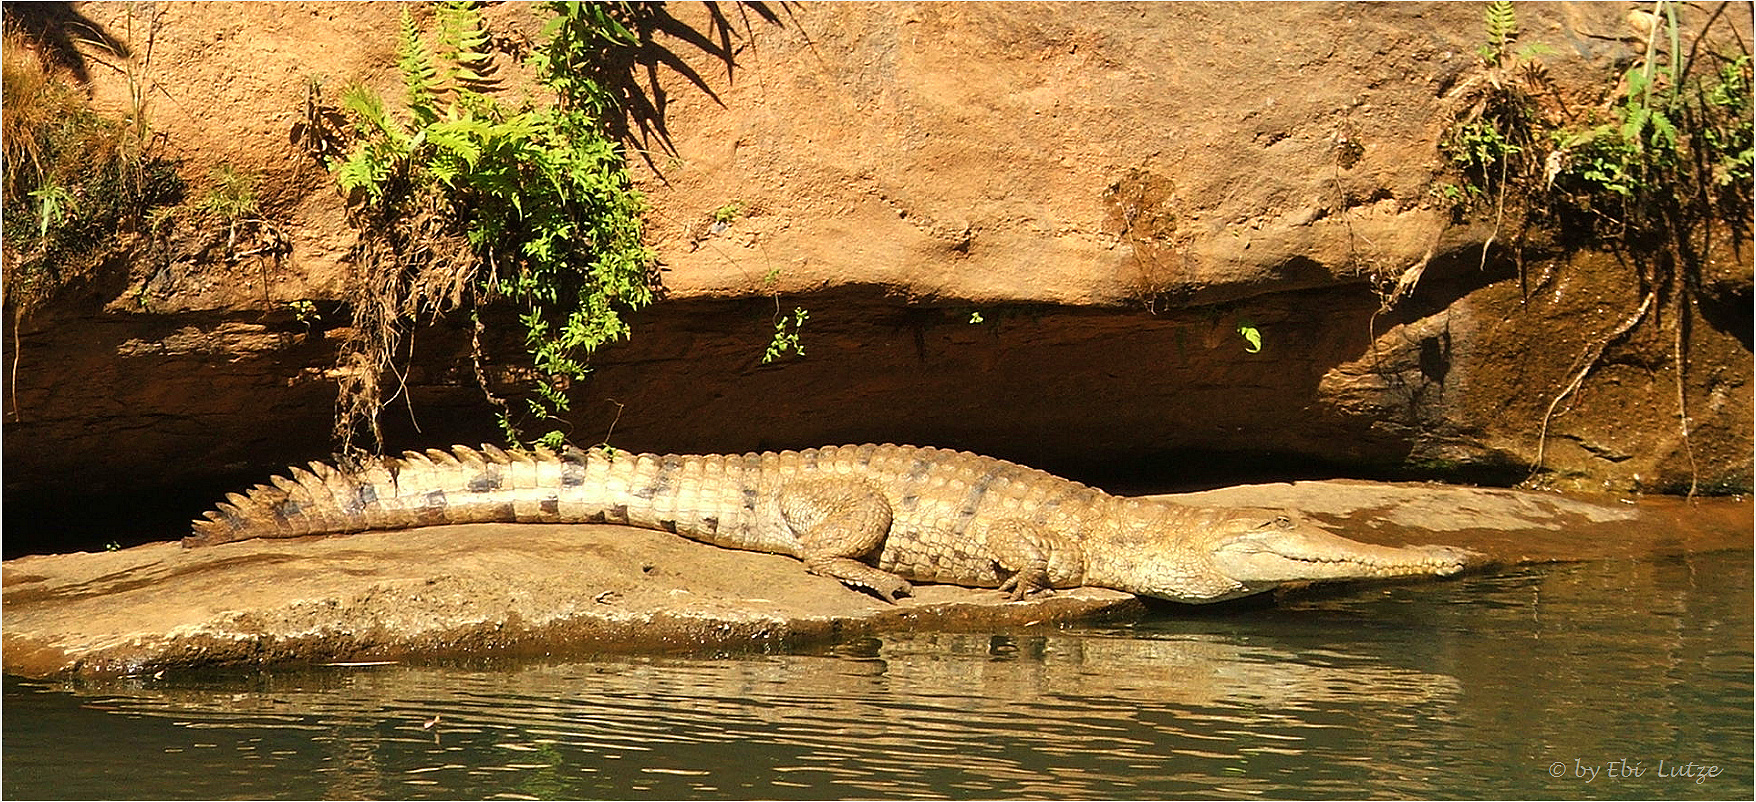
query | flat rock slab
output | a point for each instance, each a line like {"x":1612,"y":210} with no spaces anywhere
{"x":1508,"y":527}
{"x":579,"y":589}
{"x":477,"y":589}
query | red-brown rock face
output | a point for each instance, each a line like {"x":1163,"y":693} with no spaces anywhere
{"x":1036,"y":231}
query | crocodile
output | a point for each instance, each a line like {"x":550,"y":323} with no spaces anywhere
{"x":875,"y":517}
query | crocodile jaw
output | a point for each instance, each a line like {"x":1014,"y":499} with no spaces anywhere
{"x":1264,"y":558}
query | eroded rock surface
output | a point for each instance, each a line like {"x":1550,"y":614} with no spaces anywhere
{"x":1031,"y":231}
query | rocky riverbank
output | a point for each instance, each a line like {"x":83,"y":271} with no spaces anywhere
{"x":507,"y":589}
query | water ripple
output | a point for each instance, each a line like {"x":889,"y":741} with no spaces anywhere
{"x":1467,"y":689}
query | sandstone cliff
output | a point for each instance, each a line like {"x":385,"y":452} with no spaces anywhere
{"x":1029,"y":230}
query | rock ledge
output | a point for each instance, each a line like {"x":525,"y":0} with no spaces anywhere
{"x":526,"y":589}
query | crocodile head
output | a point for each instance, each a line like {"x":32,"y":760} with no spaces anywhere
{"x":1227,"y":556}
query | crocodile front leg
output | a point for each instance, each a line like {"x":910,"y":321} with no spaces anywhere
{"x":1038,"y":558}
{"x":839,"y":521}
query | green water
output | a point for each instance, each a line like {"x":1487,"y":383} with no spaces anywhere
{"x":1521,"y":684}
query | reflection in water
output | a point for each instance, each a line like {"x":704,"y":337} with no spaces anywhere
{"x":1472,"y":688}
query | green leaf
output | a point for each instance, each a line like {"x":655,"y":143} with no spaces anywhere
{"x":1500,"y":21}
{"x":419,"y":77}
{"x":541,"y":195}
{"x":368,"y":107}
{"x":458,"y":139}
{"x":1252,"y":336}
{"x":786,"y":336}
{"x":1638,"y":80}
{"x":52,"y":202}
{"x":361,"y":170}
{"x":1664,"y":132}
{"x":1635,"y":123}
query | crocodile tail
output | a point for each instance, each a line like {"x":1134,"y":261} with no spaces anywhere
{"x":464,"y":485}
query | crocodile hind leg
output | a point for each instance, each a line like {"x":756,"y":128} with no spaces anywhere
{"x":839,"y":521}
{"x":1038,"y":558}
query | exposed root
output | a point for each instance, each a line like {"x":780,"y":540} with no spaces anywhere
{"x":1683,"y":406}
{"x":475,"y":355}
{"x":404,"y":267}
{"x":1680,"y":320}
{"x":1499,"y":215}
{"x":1587,"y":362}
{"x":17,"y":351}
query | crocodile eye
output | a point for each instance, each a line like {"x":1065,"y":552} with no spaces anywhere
{"x":1283,"y":522}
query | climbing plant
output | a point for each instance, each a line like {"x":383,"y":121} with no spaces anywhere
{"x":460,"y":200}
{"x":786,"y":336}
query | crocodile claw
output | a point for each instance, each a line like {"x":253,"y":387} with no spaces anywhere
{"x":892,"y":593}
{"x":1018,"y":588}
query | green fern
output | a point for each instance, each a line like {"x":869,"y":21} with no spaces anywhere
{"x":458,"y":144}
{"x":1502,"y":23}
{"x":420,"y":79}
{"x":367,"y":107}
{"x":463,"y":46}
{"x":365,"y":168}
{"x":540,"y":195}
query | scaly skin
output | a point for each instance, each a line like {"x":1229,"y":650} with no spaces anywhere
{"x":874,"y":516}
